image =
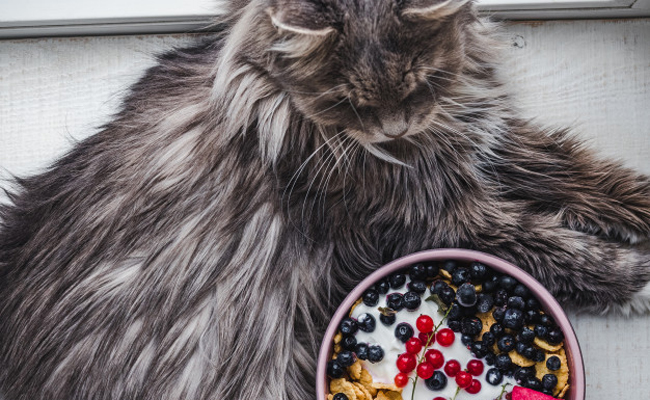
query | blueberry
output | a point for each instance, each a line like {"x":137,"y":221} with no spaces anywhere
{"x":516,"y":302}
{"x":498,"y":314}
{"x":553,"y":363}
{"x":348,"y":326}
{"x":455,"y":312}
{"x":538,"y":355}
{"x":346,"y":358}
{"x":371,"y":297}
{"x":503,"y":362}
{"x":541,"y":331}
{"x":531,"y":316}
{"x":403,"y":332}
{"x":382,"y":287}
{"x":555,"y":335}
{"x":506,"y":343}
{"x":490,"y":359}
{"x":432,"y":270}
{"x":493,"y":376}
{"x":395,"y":301}
{"x":466,"y":295}
{"x":479,"y":349}
{"x":437,"y":287}
{"x":468,"y":311}
{"x":488,"y":338}
{"x":366,"y":322}
{"x":546,"y":320}
{"x":526,"y":335}
{"x":523,"y":373}
{"x":449,"y":266}
{"x":387,"y":320}
{"x":411,"y":301}
{"x":520,"y":347}
{"x":532,"y":304}
{"x":397,"y":280}
{"x":447,"y":295}
{"x":508,"y":283}
{"x":497,"y":330}
{"x":513,"y":319}
{"x":478,"y":271}
{"x":361,"y":350}
{"x":491,"y":284}
{"x":375,"y":353}
{"x":500,"y":297}
{"x":549,"y":381}
{"x":529,"y":352}
{"x":334,"y":369}
{"x":437,"y":382}
{"x":521,"y":291}
{"x":466,"y":340}
{"x":533,"y":383}
{"x":460,"y":276}
{"x":454,"y":325}
{"x":484,"y":302}
{"x":417,"y":272}
{"x":471,"y":326}
{"x":417,"y":286}
{"x":340,"y":396}
{"x":349,"y":342}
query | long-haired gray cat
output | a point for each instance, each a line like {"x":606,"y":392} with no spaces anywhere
{"x":196,"y":246}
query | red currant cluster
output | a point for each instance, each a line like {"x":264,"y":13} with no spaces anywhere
{"x":433,"y":359}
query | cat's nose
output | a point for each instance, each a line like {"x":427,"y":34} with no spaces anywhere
{"x":394,"y":126}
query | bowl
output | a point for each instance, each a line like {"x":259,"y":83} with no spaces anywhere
{"x":547,"y":301}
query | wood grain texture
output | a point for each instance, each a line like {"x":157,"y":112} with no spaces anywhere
{"x":594,"y":75}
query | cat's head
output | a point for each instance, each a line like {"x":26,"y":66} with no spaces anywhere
{"x":374,"y":67}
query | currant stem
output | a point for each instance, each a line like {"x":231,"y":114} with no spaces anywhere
{"x":503,"y":390}
{"x":456,"y":394}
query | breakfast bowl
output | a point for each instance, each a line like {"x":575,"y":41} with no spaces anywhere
{"x":485,"y":329}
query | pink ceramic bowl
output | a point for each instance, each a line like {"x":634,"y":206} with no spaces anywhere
{"x":547,"y":301}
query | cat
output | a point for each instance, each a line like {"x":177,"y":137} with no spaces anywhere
{"x":196,"y":246}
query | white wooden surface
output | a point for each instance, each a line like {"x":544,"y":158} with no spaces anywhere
{"x":594,"y":75}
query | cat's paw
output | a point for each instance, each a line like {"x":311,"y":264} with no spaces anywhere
{"x":639,"y":303}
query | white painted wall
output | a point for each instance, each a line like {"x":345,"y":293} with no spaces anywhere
{"x":594,"y":75}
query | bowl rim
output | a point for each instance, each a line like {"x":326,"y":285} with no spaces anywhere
{"x":549,"y":304}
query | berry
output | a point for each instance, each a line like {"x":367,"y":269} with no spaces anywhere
{"x":541,"y":331}
{"x":475,"y":367}
{"x":521,"y":291}
{"x":387,"y":320}
{"x":417,"y":287}
{"x":508,"y":283}
{"x":403,"y":332}
{"x":466,"y":340}
{"x":406,"y":362}
{"x":498,"y":314}
{"x":371,"y":297}
{"x":348,"y":326}
{"x":375,"y":353}
{"x":553,"y":363}
{"x":401,"y":379}
{"x":432,"y":270}
{"x":490,"y":359}
{"x":516,"y":302}
{"x":533,"y":383}
{"x":531,"y":316}
{"x":526,"y":335}
{"x":361,"y":350}
{"x":454,"y":325}
{"x":506,"y":343}
{"x":445,"y":337}
{"x":395,"y":301}
{"x":452,"y":368}
{"x":437,"y":287}
{"x":555,"y":336}
{"x":478,"y":271}
{"x":424,"y":323}
{"x":503,"y":362}
{"x":382,"y":287}
{"x":449,"y":266}
{"x":546,"y":320}
{"x":427,"y":338}
{"x":417,"y":272}
{"x":484,"y":302}
{"x":411,"y":301}
{"x":413,"y":345}
{"x":494,"y":376}
{"x":474,"y":387}
{"x":466,"y":295}
{"x":463,"y":379}
{"x":340,"y":396}
{"x":425,"y":370}
{"x":346,"y":358}
{"x":438,"y":381}
{"x":455,"y":312}
{"x":501,"y":297}
{"x":471,"y":326}
{"x":349,"y":342}
{"x":488,"y":338}
{"x":513,"y":319}
{"x":523,"y":373}
{"x":538,"y":356}
{"x":334,"y":369}
{"x":479,"y":349}
{"x":549,"y":381}
{"x":397,"y":280}
{"x":460,"y":276}
{"x":497,"y":330}
{"x":447,"y":295}
{"x":366,"y":322}
{"x":435,"y":358}
{"x":439,"y":398}
{"x":491,"y":284}
{"x":532,"y":304}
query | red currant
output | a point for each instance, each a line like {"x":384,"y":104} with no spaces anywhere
{"x":406,"y":362}
{"x":401,"y":379}
{"x":413,"y":345}
{"x":475,"y":367}
{"x":424,"y":323}
{"x":474,"y":387}
{"x":463,"y":379}
{"x":425,"y":370}
{"x":427,"y":338}
{"x":445,"y":337}
{"x":435,"y":358}
{"x":439,"y":398}
{"x":452,"y":368}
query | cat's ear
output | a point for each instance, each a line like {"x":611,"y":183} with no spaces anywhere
{"x":432,"y":9}
{"x":299,"y":16}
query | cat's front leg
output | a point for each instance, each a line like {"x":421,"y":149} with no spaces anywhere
{"x":558,"y":175}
